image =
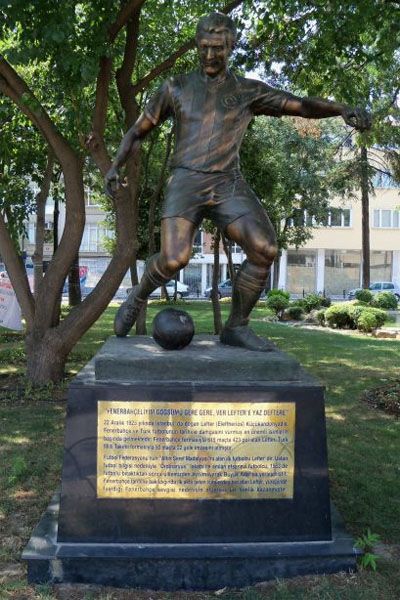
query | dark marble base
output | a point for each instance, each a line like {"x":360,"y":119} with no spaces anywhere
{"x":188,"y":543}
{"x":86,"y":517}
{"x":180,"y":566}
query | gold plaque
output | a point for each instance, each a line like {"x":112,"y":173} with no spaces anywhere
{"x":195,"y":450}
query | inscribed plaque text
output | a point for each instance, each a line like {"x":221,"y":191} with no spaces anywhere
{"x":195,"y":450}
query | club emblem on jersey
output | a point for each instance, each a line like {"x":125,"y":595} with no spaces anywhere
{"x":229,"y":101}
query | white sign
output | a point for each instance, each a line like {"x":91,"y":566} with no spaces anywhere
{"x":10,"y":311}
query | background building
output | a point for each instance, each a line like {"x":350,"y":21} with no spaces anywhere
{"x":329,"y":263}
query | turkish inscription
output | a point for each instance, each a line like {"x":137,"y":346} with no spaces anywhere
{"x":196,"y":450}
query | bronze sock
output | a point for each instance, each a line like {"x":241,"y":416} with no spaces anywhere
{"x":249,"y":283}
{"x":153,"y":278}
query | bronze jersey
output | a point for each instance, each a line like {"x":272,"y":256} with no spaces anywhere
{"x":211,"y":116}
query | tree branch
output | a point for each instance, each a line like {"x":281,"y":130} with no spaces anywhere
{"x":16,"y":89}
{"x":171,"y":60}
{"x":124,"y":74}
{"x":94,"y":142}
{"x":103,"y":81}
{"x":124,"y":15}
{"x":83,"y":316}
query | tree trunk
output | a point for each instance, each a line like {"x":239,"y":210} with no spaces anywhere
{"x":74,"y":284}
{"x":156,"y":195}
{"x":164,"y":293}
{"x":228,"y":251}
{"x":41,"y":199}
{"x":56,"y":217}
{"x":45,"y":357}
{"x":140,"y":328}
{"x":215,"y":280}
{"x":365,"y":218}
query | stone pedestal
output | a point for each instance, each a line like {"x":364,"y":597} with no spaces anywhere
{"x":195,"y":469}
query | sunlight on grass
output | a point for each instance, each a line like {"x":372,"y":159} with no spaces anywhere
{"x":24,"y":494}
{"x":335,"y":416}
{"x":363,"y":446}
{"x":16,"y":441}
{"x":9,"y":370}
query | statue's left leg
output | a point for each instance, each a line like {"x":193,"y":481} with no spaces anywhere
{"x":257,"y":238}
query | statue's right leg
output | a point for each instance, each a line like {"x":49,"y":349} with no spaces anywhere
{"x":177,"y":236}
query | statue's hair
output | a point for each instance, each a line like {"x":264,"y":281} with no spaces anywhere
{"x":217,"y":22}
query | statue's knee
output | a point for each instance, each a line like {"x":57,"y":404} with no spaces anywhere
{"x":264,"y":253}
{"x":271,"y":250}
{"x":173,"y":264}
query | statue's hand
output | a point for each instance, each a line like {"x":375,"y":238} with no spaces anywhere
{"x":111,"y":181}
{"x":357,"y":117}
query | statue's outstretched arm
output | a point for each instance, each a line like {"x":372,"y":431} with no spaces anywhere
{"x":136,"y":133}
{"x":317,"y":108}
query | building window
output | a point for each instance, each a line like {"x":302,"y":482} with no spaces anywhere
{"x":335,"y":217}
{"x":381,"y":265}
{"x":301,"y":271}
{"x":338,"y":217}
{"x":235,"y":248}
{"x":386,"y":218}
{"x":93,"y":238}
{"x":342,"y":271}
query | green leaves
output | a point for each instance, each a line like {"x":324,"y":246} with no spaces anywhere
{"x":366,"y":542}
{"x":296,"y":172}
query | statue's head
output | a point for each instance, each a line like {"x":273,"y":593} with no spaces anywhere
{"x":215,"y":38}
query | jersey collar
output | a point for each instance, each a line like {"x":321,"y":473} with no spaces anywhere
{"x":215,"y":80}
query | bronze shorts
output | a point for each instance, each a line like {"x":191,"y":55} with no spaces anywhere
{"x":221,"y":197}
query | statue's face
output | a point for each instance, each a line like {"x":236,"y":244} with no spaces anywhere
{"x":213,"y":52}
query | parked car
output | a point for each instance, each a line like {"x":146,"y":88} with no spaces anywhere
{"x":182,"y":290}
{"x":376,"y":287}
{"x":224,"y":290}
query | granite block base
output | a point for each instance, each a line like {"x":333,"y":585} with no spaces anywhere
{"x":180,"y":566}
{"x":233,"y":494}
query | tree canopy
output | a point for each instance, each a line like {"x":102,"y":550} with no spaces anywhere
{"x":74,"y":75}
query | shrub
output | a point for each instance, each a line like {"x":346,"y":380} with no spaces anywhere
{"x":315,"y":302}
{"x":355,"y":316}
{"x":369,"y":318}
{"x":326,"y":301}
{"x":339,"y":316}
{"x":367,"y":321}
{"x":380,"y":315}
{"x":274,"y":292}
{"x":294,"y":312}
{"x":165,"y":302}
{"x":356,"y":310}
{"x":363,"y":296}
{"x":312,"y":302}
{"x":385,"y":300}
{"x":277,"y":302}
{"x":321,"y":317}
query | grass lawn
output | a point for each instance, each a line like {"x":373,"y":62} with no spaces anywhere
{"x":364,"y":457}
